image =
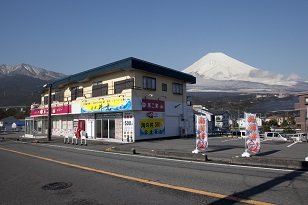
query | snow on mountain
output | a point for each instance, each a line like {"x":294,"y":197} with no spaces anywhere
{"x":217,"y":71}
{"x":29,"y":70}
{"x":219,"y":66}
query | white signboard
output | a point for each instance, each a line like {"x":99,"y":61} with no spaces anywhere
{"x":128,"y":127}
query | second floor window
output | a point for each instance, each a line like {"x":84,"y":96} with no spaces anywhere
{"x":149,"y":83}
{"x":119,"y":86}
{"x":177,"y":88}
{"x":58,"y":96}
{"x":45,"y":100}
{"x":76,"y":92}
{"x":99,"y":89}
{"x":164,"y":87}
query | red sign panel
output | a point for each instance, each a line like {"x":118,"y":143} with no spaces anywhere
{"x":65,"y":109}
{"x":153,"y":105}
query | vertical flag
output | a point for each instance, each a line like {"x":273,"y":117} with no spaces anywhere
{"x":252,"y":137}
{"x":201,"y":133}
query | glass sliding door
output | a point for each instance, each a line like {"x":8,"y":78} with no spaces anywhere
{"x":98,"y":126}
{"x":108,"y":125}
{"x":112,"y":128}
{"x":105,"y":129}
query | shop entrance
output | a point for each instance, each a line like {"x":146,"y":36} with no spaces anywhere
{"x":105,"y":128}
{"x":36,"y":126}
{"x":105,"y":125}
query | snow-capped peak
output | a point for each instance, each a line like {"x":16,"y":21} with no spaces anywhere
{"x":29,"y":70}
{"x":219,"y":66}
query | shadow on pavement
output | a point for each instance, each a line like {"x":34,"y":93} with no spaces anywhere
{"x":247,"y":194}
{"x":267,"y":153}
{"x":220,"y":149}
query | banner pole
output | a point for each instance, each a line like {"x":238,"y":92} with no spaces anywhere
{"x":245,"y":153}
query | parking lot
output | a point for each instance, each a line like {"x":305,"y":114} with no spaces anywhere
{"x":269,"y":148}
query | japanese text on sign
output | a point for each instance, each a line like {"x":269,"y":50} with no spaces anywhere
{"x":152,"y":126}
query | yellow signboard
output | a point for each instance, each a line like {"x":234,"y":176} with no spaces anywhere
{"x":152,"y":126}
{"x":106,"y":105}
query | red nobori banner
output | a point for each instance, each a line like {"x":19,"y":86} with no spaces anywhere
{"x":201,"y":132}
{"x":253,"y":144}
{"x":65,"y":109}
{"x":153,"y":105}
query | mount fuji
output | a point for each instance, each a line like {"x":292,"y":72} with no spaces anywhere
{"x":220,"y":72}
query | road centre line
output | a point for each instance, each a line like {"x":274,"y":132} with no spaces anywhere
{"x":292,"y":144}
{"x":140,"y":180}
{"x":173,"y":160}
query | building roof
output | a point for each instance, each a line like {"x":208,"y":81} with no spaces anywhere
{"x":122,"y":65}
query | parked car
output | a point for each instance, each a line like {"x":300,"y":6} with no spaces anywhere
{"x":275,"y":136}
{"x":299,"y":137}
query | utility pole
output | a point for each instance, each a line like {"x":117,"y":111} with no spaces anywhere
{"x":306,"y":116}
{"x":49,"y":110}
{"x":49,"y":113}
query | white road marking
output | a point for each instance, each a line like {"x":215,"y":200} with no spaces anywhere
{"x":216,"y":137}
{"x":231,"y":140}
{"x":143,"y":180}
{"x":292,"y":144}
{"x":173,"y":160}
{"x":264,"y":140}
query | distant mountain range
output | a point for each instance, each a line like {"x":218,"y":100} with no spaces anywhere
{"x":20,"y":85}
{"x":216,"y":73}
{"x":219,"y":72}
{"x":29,"y":70}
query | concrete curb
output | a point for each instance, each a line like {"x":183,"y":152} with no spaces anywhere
{"x":251,"y":161}
{"x":206,"y":157}
{"x":272,"y":162}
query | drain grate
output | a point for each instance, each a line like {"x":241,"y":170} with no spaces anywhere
{"x":57,"y":186}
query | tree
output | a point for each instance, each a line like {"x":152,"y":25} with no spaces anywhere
{"x":285,"y":123}
{"x":266,"y":127}
{"x":273,"y":122}
{"x":18,"y":114}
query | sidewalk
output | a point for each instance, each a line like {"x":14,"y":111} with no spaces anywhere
{"x":181,"y":148}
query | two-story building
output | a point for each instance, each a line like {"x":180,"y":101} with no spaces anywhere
{"x":302,"y":108}
{"x":124,"y":101}
{"x":222,"y":121}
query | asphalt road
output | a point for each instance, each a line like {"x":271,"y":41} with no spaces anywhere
{"x":28,"y":172}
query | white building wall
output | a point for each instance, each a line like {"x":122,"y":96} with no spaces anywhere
{"x":189,"y":121}
{"x":173,"y":126}
{"x":90,"y":125}
{"x":177,"y":119}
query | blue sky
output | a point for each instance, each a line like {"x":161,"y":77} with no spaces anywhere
{"x":70,"y":36}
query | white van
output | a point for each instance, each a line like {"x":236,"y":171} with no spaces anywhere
{"x":275,"y":136}
{"x":299,"y":137}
